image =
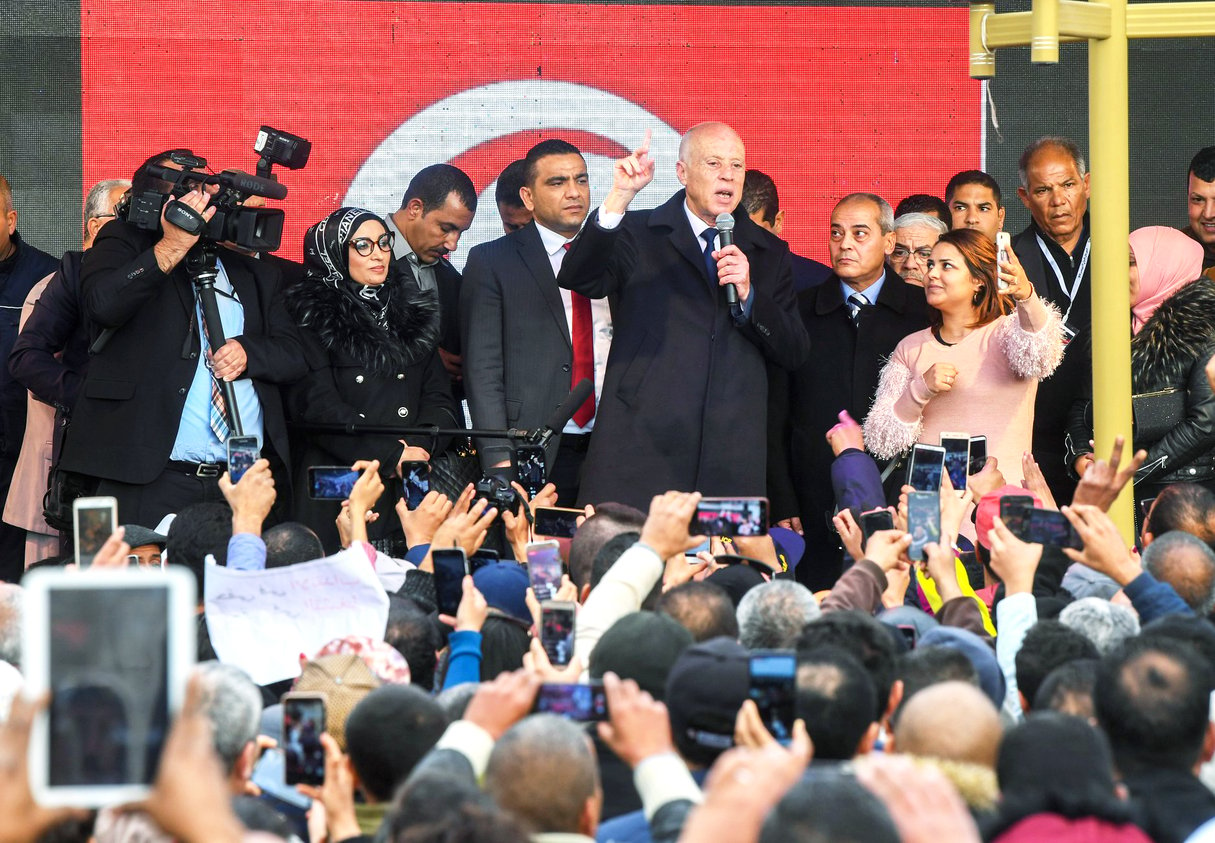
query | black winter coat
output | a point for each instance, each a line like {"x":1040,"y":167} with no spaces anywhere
{"x":1171,"y":351}
{"x":360,"y":372}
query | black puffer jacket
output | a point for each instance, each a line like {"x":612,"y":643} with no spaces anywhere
{"x":1171,"y":351}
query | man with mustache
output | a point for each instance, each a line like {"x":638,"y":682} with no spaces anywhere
{"x":1054,"y":251}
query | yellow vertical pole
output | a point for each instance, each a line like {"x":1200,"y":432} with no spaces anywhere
{"x":1108,"y":148}
{"x":982,"y":60}
{"x":1044,"y":32}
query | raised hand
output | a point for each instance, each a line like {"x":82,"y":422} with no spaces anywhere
{"x":629,"y":175}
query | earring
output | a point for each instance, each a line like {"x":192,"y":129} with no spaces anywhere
{"x":978,"y":297}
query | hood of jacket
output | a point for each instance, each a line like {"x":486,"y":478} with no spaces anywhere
{"x":347,"y":325}
{"x":1181,"y":329}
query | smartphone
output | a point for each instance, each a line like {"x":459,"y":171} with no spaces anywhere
{"x":530,"y":468}
{"x":580,"y":703}
{"x":556,"y":522}
{"x":773,"y":687}
{"x":923,"y":521}
{"x":957,"y":458}
{"x":1003,"y":247}
{"x":730,"y":517}
{"x":114,"y":650}
{"x":1013,"y":511}
{"x":303,"y":723}
{"x":415,"y":476}
{"x":451,"y":567}
{"x":544,"y":569}
{"x":1046,"y":526}
{"x":876,"y":520}
{"x":94,"y":520}
{"x":270,"y":774}
{"x":926,"y":467}
{"x":242,"y":454}
{"x":978,"y":454}
{"x":330,"y":482}
{"x":557,"y":631}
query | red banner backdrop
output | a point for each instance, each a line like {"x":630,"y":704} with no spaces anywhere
{"x":829,"y":100}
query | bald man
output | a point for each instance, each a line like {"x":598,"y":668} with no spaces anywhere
{"x":685,"y":394}
{"x":953,"y":721}
{"x":543,"y":771}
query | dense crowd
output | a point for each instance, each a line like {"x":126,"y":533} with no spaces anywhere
{"x":920,"y":643}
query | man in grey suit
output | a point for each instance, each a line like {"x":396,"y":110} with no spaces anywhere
{"x":526,"y":341}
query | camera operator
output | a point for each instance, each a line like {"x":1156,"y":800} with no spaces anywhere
{"x":145,"y":422}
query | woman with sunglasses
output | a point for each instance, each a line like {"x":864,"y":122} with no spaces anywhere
{"x":370,"y":336}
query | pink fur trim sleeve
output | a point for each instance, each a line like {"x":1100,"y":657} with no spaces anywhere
{"x":1036,"y":353}
{"x":886,"y":434}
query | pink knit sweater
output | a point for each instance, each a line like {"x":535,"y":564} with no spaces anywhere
{"x":999,"y":366}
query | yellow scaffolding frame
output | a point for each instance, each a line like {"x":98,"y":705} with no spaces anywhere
{"x":1107,"y":26}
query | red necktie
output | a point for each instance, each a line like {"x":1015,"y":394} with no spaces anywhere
{"x":584,"y":353}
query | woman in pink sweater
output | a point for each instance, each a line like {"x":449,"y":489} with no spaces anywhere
{"x":976,"y":370}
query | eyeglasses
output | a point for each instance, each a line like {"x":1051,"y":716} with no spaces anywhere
{"x":365,"y":245}
{"x":902,"y":253}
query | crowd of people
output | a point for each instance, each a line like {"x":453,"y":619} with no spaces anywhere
{"x":984,"y":683}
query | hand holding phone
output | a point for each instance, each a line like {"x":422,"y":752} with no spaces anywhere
{"x":773,"y":688}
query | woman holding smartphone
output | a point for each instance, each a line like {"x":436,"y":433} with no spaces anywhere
{"x":370,"y":336}
{"x":1173,"y":322}
{"x":976,"y":369}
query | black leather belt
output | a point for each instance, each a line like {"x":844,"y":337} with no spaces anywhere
{"x":577,"y":442}
{"x":198,"y":469}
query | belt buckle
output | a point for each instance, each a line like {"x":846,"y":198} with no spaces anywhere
{"x":207,"y":469}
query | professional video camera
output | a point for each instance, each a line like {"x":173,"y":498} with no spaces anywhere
{"x":253,"y":229}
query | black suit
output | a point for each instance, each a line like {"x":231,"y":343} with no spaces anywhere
{"x":518,"y":356}
{"x":841,"y":374}
{"x":685,"y":394}
{"x":1074,"y":376}
{"x":125,"y":420}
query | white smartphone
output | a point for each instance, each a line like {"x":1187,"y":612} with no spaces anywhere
{"x":114,"y":649}
{"x":94,"y":520}
{"x":1003,"y":247}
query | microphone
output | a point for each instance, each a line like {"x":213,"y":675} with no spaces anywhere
{"x":725,"y":237}
{"x":561,"y":416}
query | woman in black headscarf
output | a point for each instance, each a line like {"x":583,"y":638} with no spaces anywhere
{"x":370,"y":336}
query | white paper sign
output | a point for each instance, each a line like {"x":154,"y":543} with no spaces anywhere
{"x":261,"y":621}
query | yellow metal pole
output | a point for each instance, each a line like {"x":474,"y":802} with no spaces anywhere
{"x":1044,"y":31}
{"x":1108,"y":147}
{"x":982,"y":60}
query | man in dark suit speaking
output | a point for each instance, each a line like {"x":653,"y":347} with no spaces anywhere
{"x":526,"y":341}
{"x":684,"y":400}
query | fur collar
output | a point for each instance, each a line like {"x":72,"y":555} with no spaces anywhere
{"x":1181,"y":329}
{"x":346,"y":325}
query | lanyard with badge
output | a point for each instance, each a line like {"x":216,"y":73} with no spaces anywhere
{"x":1068,"y":331}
